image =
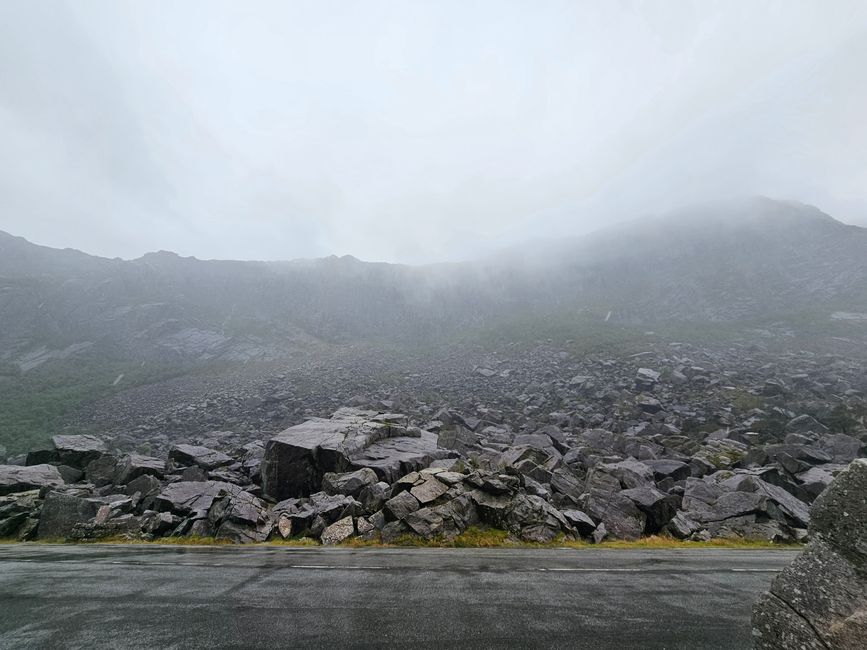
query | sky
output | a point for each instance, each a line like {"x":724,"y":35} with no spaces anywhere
{"x":415,"y":131}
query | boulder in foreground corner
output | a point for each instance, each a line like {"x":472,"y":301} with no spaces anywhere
{"x":820,"y":600}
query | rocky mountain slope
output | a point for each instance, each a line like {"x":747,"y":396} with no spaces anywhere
{"x":756,"y":260}
{"x":700,"y":376}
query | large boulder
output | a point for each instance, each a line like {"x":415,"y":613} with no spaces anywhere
{"x":78,"y":451}
{"x":447,"y":520}
{"x":16,"y":510}
{"x":192,"y":497}
{"x":706,"y":502}
{"x":239,"y":517}
{"x":401,"y":505}
{"x":311,"y":515}
{"x":658,"y":506}
{"x":101,"y":471}
{"x":20,"y":478}
{"x":339,"y":531}
{"x":820,"y":600}
{"x":606,"y":504}
{"x":132,"y":466}
{"x":61,"y":512}
{"x":297,"y":459}
{"x":538,"y":464}
{"x":533,"y":519}
{"x":349,"y":483}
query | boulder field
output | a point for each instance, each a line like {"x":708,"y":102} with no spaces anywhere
{"x":377,"y":476}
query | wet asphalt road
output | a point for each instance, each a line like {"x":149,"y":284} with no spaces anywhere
{"x":277,"y":597}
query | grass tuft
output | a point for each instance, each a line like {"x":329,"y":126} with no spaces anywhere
{"x":473,"y":537}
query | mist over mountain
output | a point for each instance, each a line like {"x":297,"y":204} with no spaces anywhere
{"x":737,"y":261}
{"x":75,"y":328}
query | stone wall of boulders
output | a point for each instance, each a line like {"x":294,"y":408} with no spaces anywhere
{"x":377,"y":476}
{"x":820,"y":601}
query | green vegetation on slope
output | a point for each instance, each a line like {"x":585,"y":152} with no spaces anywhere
{"x":33,"y":403}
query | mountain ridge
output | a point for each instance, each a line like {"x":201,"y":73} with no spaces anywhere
{"x":755,"y":259}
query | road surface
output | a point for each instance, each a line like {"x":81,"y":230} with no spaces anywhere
{"x":118,"y":597}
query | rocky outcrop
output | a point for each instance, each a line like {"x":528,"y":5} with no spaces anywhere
{"x":820,"y":601}
{"x":549,"y":446}
{"x":296,"y":460}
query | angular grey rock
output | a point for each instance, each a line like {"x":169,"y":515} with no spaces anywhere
{"x":648,"y":404}
{"x":101,"y":471}
{"x":428,"y":489}
{"x":131,"y":466}
{"x":841,"y":448}
{"x":296,"y":459}
{"x":646,"y":378}
{"x":41,"y":457}
{"x":145,"y":485}
{"x":364,"y":528}
{"x":127,"y":526}
{"x":200,"y":456}
{"x":665,"y":468}
{"x":805,"y":424}
{"x":372,"y":497}
{"x":16,"y":509}
{"x":604,"y":502}
{"x":401,"y":505}
{"x":839,"y":515}
{"x":658,"y":506}
{"x":78,"y":451}
{"x":70,"y":474}
{"x":631,"y":473}
{"x":158,"y":524}
{"x":580,"y":521}
{"x":492,"y":508}
{"x":395,"y":456}
{"x":240,"y":517}
{"x":60,"y":512}
{"x":21,"y":478}
{"x":819,"y":601}
{"x":349,"y":483}
{"x":797,"y":512}
{"x":392,"y":531}
{"x":188,"y":497}
{"x":599,"y":534}
{"x":538,"y":464}
{"x":425,"y":522}
{"x":566,"y":482}
{"x":705,"y":502}
{"x":339,"y":531}
{"x":535,"y":520}
{"x":309,"y":516}
{"x":681,"y":526}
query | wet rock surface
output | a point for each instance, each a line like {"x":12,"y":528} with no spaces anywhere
{"x":738,"y":442}
{"x":820,"y":601}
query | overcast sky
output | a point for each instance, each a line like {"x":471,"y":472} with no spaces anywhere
{"x":415,"y":131}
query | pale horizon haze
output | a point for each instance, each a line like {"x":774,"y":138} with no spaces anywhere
{"x":415,"y":132}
